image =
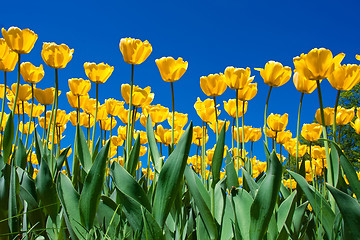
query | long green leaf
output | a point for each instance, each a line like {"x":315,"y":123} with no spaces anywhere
{"x":218,"y":157}
{"x":231,"y":175}
{"x":109,"y":215}
{"x":151,"y":228}
{"x":46,"y":190}
{"x":334,"y":160}
{"x":14,"y":223}
{"x":316,"y":200}
{"x":242,"y":202}
{"x":20,"y":156}
{"x":90,"y":195}
{"x":132,"y":210}
{"x":69,"y":199}
{"x":60,"y":160}
{"x":128,"y":185}
{"x":8,"y":138}
{"x":39,"y":149}
{"x":170,"y":176}
{"x":200,"y":202}
{"x":350,"y":211}
{"x":83,"y":150}
{"x":265,"y":200}
{"x":154,"y":151}
{"x":285,"y":214}
{"x":134,"y":157}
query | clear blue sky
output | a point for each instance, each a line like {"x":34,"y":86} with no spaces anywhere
{"x":210,"y":35}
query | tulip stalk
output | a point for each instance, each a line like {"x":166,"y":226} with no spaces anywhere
{"x":173,"y":116}
{"x":242,"y":133}
{"x":95,"y":117}
{"x":297,"y":134}
{"x":3,"y":103}
{"x":129,"y":125}
{"x":44,"y":132}
{"x":31,"y":112}
{"x":17,"y":86}
{"x":335,"y":111}
{"x":265,"y":115}
{"x":237,"y":132}
{"x":216,"y":121}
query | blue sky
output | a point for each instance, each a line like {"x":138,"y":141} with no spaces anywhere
{"x":210,"y":35}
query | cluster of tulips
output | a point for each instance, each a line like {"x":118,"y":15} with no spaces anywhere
{"x":310,"y":70}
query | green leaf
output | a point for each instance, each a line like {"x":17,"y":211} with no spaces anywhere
{"x":20,"y":156}
{"x":151,"y":228}
{"x":316,"y":200}
{"x":39,"y":149}
{"x":46,"y":190}
{"x":14,"y":223}
{"x":128,"y":185}
{"x":170,"y":176}
{"x":297,"y":220}
{"x":231,"y":175}
{"x":242,"y":202}
{"x":350,"y":211}
{"x":253,"y":186}
{"x":228,"y":219}
{"x":134,"y":157}
{"x":196,"y":191}
{"x":96,"y":150}
{"x":109,"y":215}
{"x":8,"y":138}
{"x":154,"y":151}
{"x":334,"y":161}
{"x":132,"y":210}
{"x":83,"y":150}
{"x":284,"y":215}
{"x":218,"y":157}
{"x":69,"y":199}
{"x":265,"y":199}
{"x":91,"y":192}
{"x":60,"y":160}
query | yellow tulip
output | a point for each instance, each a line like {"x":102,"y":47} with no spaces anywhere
{"x":170,"y":69}
{"x":2,"y":89}
{"x":311,"y":132}
{"x":122,"y":132}
{"x":4,"y":121}
{"x":345,"y":77}
{"x":248,"y":92}
{"x":98,"y":73}
{"x":30,"y":73}
{"x":116,"y":141}
{"x":73,"y":118}
{"x":143,"y":120}
{"x":86,"y":120}
{"x":164,"y":135}
{"x":270,"y":133}
{"x":20,"y":41}
{"x":61,"y":117}
{"x":254,"y":134}
{"x":139,"y":97}
{"x":89,"y":106}
{"x":79,"y":86}
{"x":4,"y":49}
{"x":143,"y":137}
{"x":157,"y":113}
{"x":114,"y":107}
{"x":33,"y":158}
{"x":302,"y":84}
{"x":290,"y":146}
{"x":328,"y":115}
{"x":356,"y":125}
{"x":124,"y":116}
{"x":135,"y":51}
{"x":318,"y":64}
{"x":26,"y":128}
{"x":236,"y":78}
{"x":213,"y":85}
{"x":108,"y":123}
{"x":180,"y":120}
{"x":230,"y":107}
{"x":276,"y":122}
{"x":41,"y":121}
{"x":74,"y":100}
{"x":142,"y":152}
{"x":56,"y":56}
{"x":283,"y":136}
{"x":9,"y":62}
{"x":318,"y":152}
{"x":46,"y":96}
{"x":275,"y":74}
{"x":290,"y":183}
{"x":37,"y":110}
{"x":246,"y":133}
{"x":344,"y":116}
{"x":24,"y":91}
{"x":206,"y":110}
{"x":220,"y":125}
{"x":198,"y":133}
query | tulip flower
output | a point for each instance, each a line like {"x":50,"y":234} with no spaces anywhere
{"x":3,"y":122}
{"x":283,"y":136}
{"x":143,"y":137}
{"x":170,"y":69}
{"x":89,"y":105}
{"x":4,"y":49}
{"x":356,"y":125}
{"x":124,"y":116}
{"x":180,"y":120}
{"x":134,"y":51}
{"x":79,"y":86}
{"x":277,"y":122}
{"x":248,"y":92}
{"x":213,"y":85}
{"x":122,"y":132}
{"x":139,"y":96}
{"x":311,"y":132}
{"x":318,"y":64}
{"x":164,"y":135}
{"x":275,"y":74}
{"x":270,"y":133}
{"x":56,"y":56}
{"x":143,"y":120}
{"x":37,"y":110}
{"x":20,"y":41}
{"x":246,"y":133}
{"x":290,"y":183}
{"x":254,"y":134}
{"x":9,"y":62}
{"x":198,"y":133}
{"x":46,"y":96}
{"x":344,"y":116}
{"x":237,"y":78}
{"x":24,"y":128}
{"x":86,"y":120}
{"x":157,"y":113}
{"x":116,"y":141}
{"x":114,"y":107}
{"x":290,"y":146}
{"x":98,"y":73}
{"x":230,"y":107}
{"x":318,"y":152}
{"x":345,"y":77}
{"x":328,"y":115}
{"x":24,"y":91}
{"x":206,"y":110}
{"x":75,"y":100}
{"x":30,"y":73}
{"x":302,"y":84}
{"x":107,"y":124}
{"x":220,"y":125}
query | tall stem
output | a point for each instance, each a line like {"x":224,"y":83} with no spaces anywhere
{"x":265,"y":115}
{"x":95,"y":117}
{"x":44,"y":132}
{"x":173,"y":115}
{"x":237,"y":132}
{"x":17,"y":86}
{"x":31,"y":112}
{"x":335,"y":110}
{"x":54,"y":121}
{"x":297,"y":132}
{"x":243,"y":132}
{"x":128,"y":137}
{"x":216,"y":120}
{"x":3,"y":103}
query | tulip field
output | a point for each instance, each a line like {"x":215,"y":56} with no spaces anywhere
{"x":116,"y":181}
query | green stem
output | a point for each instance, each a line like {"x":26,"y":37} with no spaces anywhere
{"x":31,"y":112}
{"x":335,"y":111}
{"x":265,"y":115}
{"x":128,"y":140}
{"x":54,"y":121}
{"x":95,"y":117}
{"x":3,"y":103}
{"x":243,"y":132}
{"x":23,"y":117}
{"x":237,"y":132}
{"x":297,"y":133}
{"x":44,"y":132}
{"x":216,"y":121}
{"x":17,"y":87}
{"x":173,"y":115}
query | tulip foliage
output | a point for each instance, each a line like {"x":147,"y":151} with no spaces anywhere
{"x":118,"y":183}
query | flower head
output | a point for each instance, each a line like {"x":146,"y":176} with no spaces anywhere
{"x":98,"y":73}
{"x":277,"y":122}
{"x":170,"y":69}
{"x":56,"y":56}
{"x":275,"y":74}
{"x":230,"y":107}
{"x":302,"y":84}
{"x":248,"y":92}
{"x":46,"y":96}
{"x":30,"y":73}
{"x":344,"y":116}
{"x":135,"y":51}
{"x":4,"y":49}
{"x":328,"y":116}
{"x":311,"y":132}
{"x":20,"y":41}
{"x":345,"y":77}
{"x":236,"y":78}
{"x":79,"y":86}
{"x":8,"y":63}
